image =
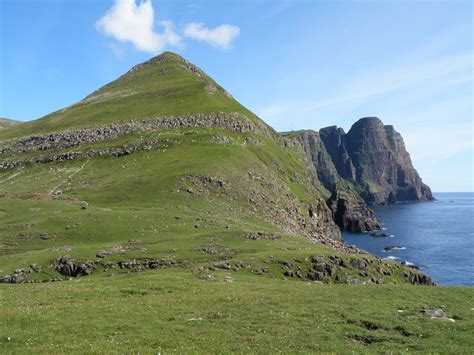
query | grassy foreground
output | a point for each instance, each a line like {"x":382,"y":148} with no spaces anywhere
{"x":169,"y":311}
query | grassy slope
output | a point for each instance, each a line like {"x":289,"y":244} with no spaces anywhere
{"x":6,"y":123}
{"x":134,"y":202}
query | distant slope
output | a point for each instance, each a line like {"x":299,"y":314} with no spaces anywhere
{"x":5,"y":123}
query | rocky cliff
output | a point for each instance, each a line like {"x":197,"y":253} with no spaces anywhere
{"x":373,"y":158}
{"x":349,"y":211}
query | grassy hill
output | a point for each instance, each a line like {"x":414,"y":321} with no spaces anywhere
{"x":158,"y":214}
{"x":5,"y":123}
{"x":165,"y":85}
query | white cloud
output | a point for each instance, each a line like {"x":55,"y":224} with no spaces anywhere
{"x":128,"y":22}
{"x":220,"y":36}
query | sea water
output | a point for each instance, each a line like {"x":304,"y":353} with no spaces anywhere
{"x":437,"y":236}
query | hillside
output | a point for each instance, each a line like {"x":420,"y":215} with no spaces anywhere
{"x":5,"y":123}
{"x":160,"y":215}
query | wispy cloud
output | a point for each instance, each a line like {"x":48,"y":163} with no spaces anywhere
{"x":220,"y":36}
{"x":128,"y":22}
{"x":439,"y":141}
{"x":405,"y":78}
{"x":395,"y":78}
{"x":278,"y":8}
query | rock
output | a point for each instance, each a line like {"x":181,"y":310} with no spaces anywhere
{"x":317,"y":276}
{"x":68,"y":267}
{"x":349,"y":211}
{"x":262,"y":236}
{"x":15,"y":278}
{"x":393,"y":247}
{"x":331,"y":270}
{"x":320,"y":267}
{"x":437,"y":314}
{"x":354,"y":282}
{"x":359,"y":264}
{"x":46,"y":236}
{"x":208,"y":250}
{"x":344,"y":263}
{"x":378,"y":235}
{"x":374,"y":158}
{"x":417,"y":278}
{"x":104,"y":254}
{"x":224,"y":265}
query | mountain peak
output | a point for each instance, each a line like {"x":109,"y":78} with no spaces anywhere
{"x":370,"y":121}
{"x":168,"y":58}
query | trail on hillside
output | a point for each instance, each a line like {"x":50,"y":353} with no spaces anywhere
{"x":68,"y":177}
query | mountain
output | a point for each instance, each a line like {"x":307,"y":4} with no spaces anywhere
{"x":373,"y":158}
{"x":166,"y":85}
{"x":349,"y":210}
{"x":5,"y":123}
{"x":167,"y":139}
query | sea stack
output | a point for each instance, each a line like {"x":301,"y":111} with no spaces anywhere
{"x":372,"y":157}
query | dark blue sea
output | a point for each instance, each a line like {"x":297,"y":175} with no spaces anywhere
{"x":436,"y":236}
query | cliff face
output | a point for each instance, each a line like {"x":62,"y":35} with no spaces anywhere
{"x":373,"y":157}
{"x":348,"y":209}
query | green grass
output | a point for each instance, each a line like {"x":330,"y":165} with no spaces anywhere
{"x":170,"y":311}
{"x":6,"y":123}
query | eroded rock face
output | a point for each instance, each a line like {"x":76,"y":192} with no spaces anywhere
{"x":357,"y":269}
{"x":349,"y":211}
{"x":68,"y":267}
{"x":373,"y":157}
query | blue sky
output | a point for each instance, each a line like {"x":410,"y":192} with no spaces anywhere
{"x":297,"y":64}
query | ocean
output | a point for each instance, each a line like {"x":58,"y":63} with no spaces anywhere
{"x":437,"y":236}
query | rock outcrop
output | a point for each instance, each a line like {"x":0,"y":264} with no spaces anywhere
{"x":348,"y":209}
{"x":373,"y":158}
